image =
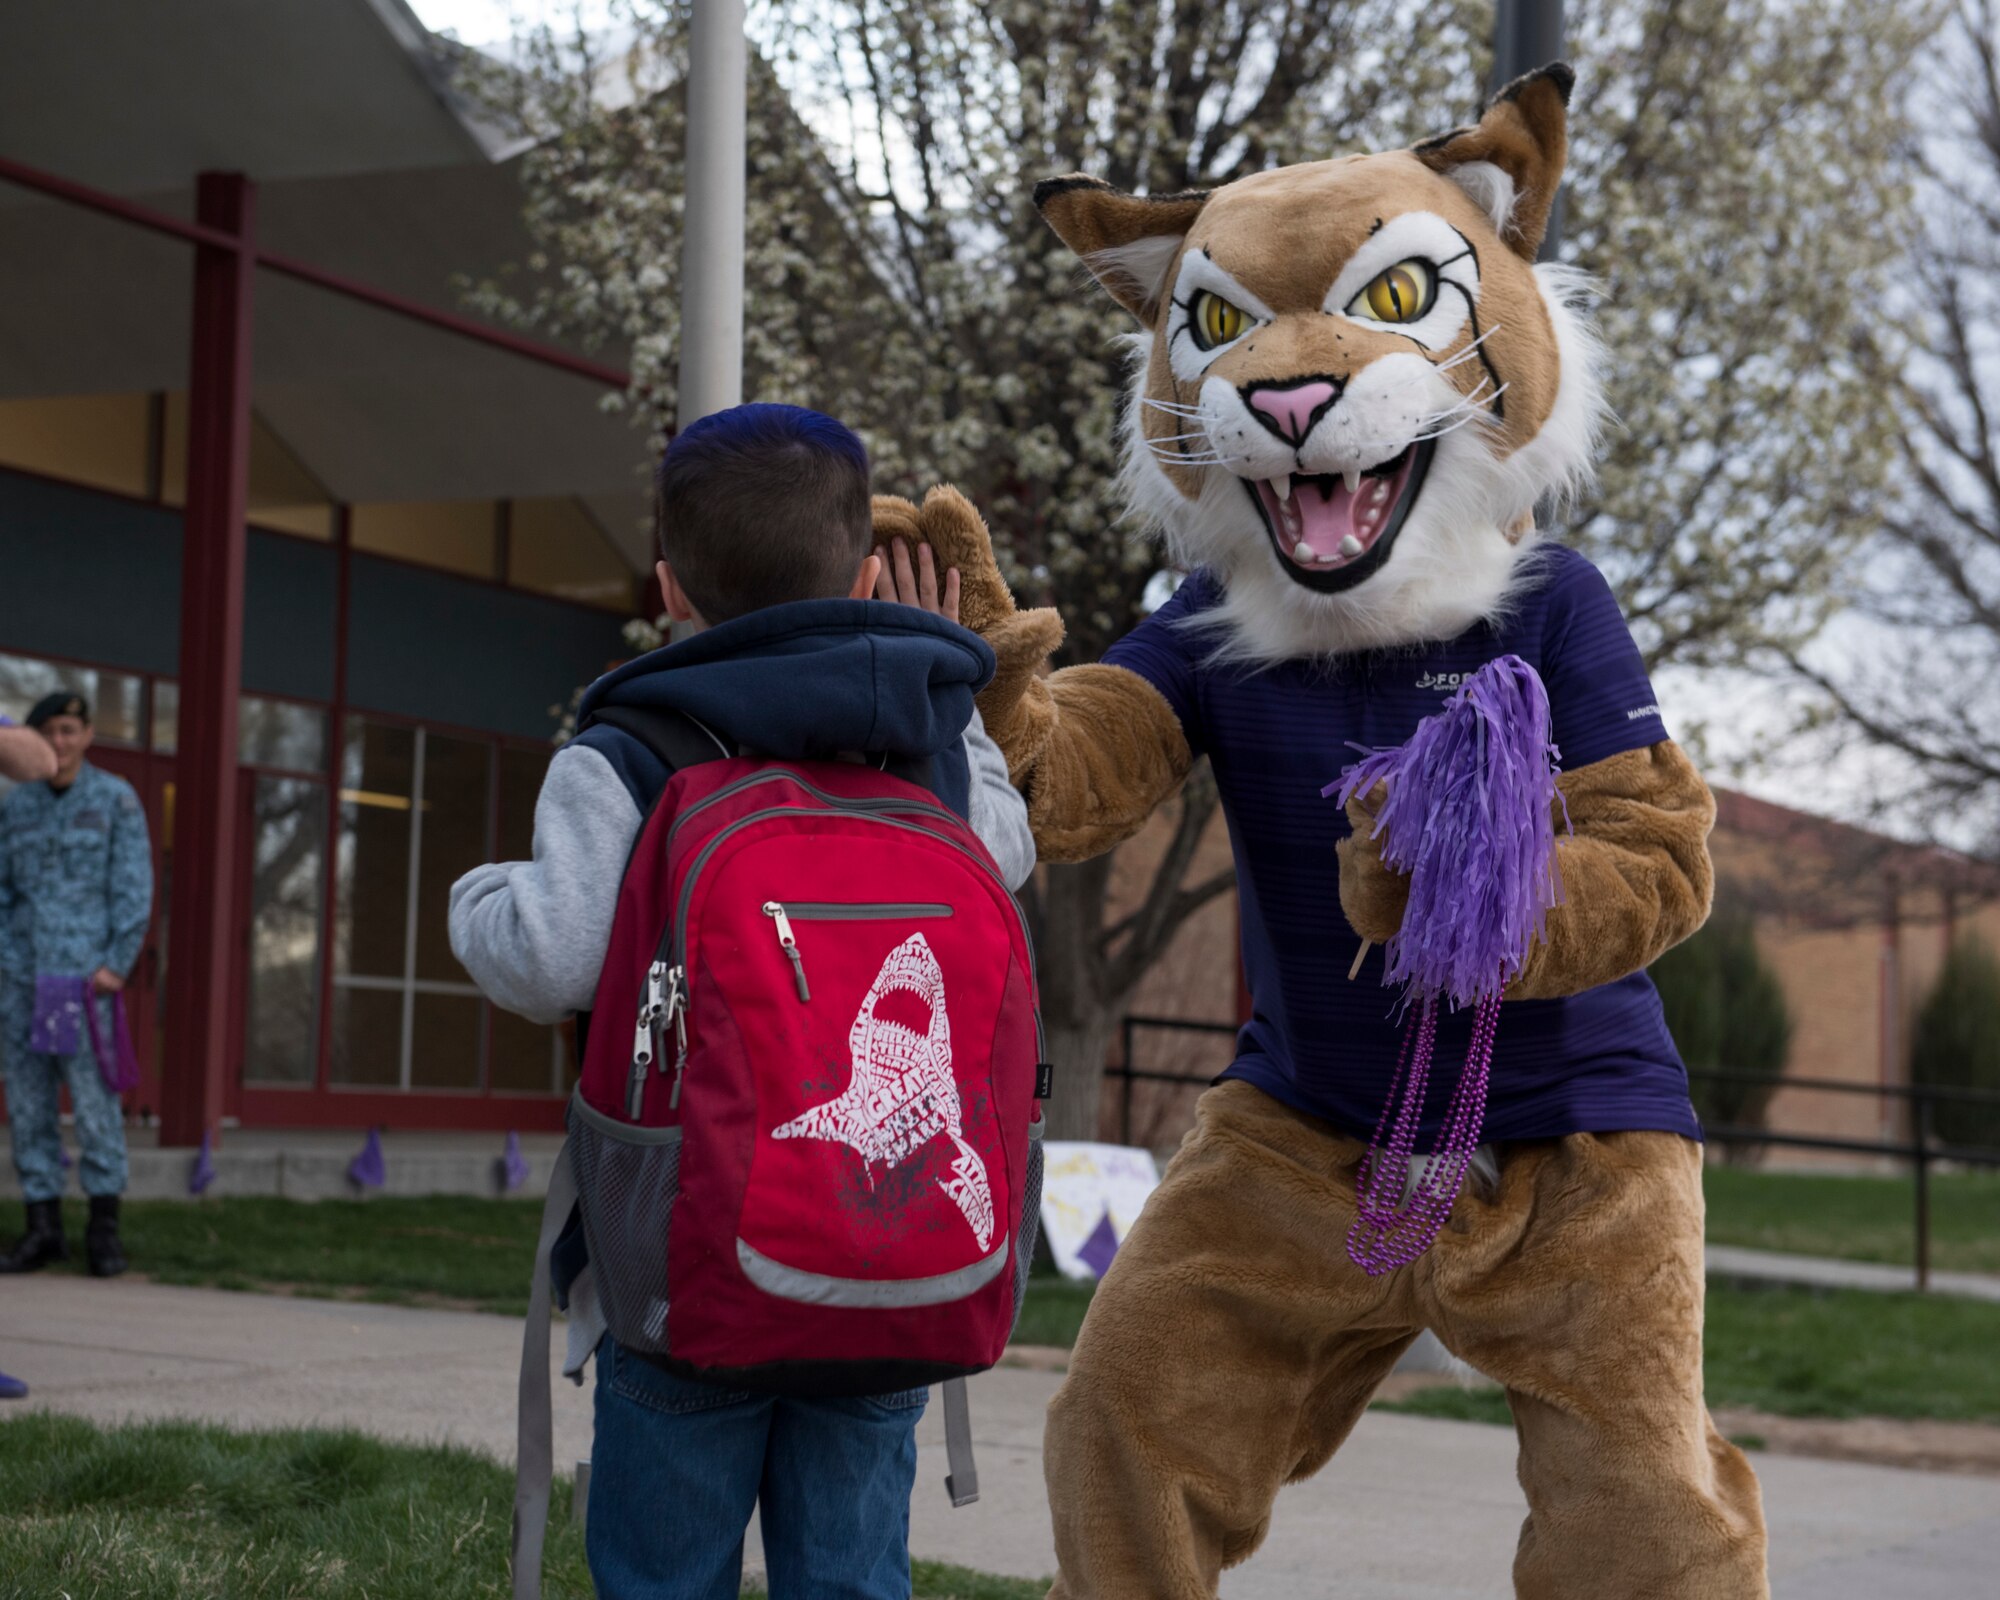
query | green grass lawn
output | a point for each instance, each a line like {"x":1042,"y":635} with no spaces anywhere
{"x":1862,"y":1219}
{"x":159,"y":1511}
{"x":1806,"y":1353}
{"x":461,"y":1250}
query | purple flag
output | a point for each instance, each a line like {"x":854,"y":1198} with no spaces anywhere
{"x":514,"y":1167}
{"x":368,"y":1170}
{"x":1096,"y":1251}
{"x":202,"y":1173}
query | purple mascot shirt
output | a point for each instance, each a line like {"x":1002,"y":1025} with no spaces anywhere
{"x":1591,"y":1063}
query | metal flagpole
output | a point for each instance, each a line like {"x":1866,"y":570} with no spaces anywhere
{"x":711,"y":368}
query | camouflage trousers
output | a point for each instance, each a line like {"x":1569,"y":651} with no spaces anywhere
{"x":34,"y":1081}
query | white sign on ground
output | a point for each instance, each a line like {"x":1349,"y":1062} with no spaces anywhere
{"x":1091,"y":1195}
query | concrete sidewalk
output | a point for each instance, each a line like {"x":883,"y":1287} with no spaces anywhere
{"x":1823,"y":1272}
{"x":1411,"y":1509}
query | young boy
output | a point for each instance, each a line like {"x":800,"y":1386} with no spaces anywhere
{"x":764,"y":540}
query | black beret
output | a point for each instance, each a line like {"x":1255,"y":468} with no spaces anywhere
{"x":62,"y":703}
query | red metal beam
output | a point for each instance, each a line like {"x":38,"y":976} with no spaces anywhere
{"x":203,"y":905}
{"x":199,"y":233}
{"x":448,"y":321}
{"x":111,"y":205}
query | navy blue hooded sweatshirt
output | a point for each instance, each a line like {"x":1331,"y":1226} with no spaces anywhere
{"x":813,"y":680}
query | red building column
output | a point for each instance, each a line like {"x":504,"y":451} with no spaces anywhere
{"x":201,"y":910}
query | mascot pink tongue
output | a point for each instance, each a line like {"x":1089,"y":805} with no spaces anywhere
{"x":1470,"y":819}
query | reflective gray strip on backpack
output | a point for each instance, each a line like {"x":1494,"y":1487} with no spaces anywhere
{"x":534,"y":1443}
{"x":961,"y":1480}
{"x":818,"y":1289}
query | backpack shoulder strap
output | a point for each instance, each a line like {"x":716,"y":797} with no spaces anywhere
{"x":534,"y":1443}
{"x":679,"y":740}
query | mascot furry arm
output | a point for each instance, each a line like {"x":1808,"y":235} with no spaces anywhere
{"x":1095,"y":749}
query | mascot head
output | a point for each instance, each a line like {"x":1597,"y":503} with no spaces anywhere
{"x":1355,"y":383}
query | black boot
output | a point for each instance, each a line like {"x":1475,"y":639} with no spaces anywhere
{"x":42,"y":1243}
{"x":101,"y":1246}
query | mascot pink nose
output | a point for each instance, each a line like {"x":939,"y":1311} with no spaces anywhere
{"x":1289,"y":412}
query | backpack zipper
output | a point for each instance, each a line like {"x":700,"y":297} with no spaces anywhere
{"x":664,"y":998}
{"x":790,"y":946}
{"x":781,"y":915}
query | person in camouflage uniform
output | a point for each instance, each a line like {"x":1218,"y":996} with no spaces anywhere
{"x":76,"y":892}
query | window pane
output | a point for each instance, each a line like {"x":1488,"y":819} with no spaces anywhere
{"x":556,"y":547}
{"x":522,"y":1054}
{"x":521,"y":774}
{"x":280,"y":733}
{"x":287,"y":865}
{"x":456,"y":790}
{"x":377,"y":768}
{"x":96,"y":439}
{"x":166,"y":714}
{"x":367,"y":1037}
{"x":458,"y":535}
{"x":444,"y":1042}
{"x":115,"y":697}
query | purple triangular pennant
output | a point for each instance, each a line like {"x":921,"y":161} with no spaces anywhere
{"x":1096,"y":1251}
{"x":368,"y":1169}
{"x":202,"y":1173}
{"x":514,"y":1167}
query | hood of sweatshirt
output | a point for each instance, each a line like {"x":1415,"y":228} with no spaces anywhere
{"x":816,"y":680}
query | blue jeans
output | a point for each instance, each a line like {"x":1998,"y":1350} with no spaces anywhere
{"x":678,"y":1466}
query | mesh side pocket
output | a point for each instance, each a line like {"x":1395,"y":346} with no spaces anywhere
{"x":1030,"y":1228}
{"x":626,"y":1181}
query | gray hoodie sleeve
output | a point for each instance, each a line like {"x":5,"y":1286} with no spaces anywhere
{"x":998,"y":814}
{"x":533,"y":933}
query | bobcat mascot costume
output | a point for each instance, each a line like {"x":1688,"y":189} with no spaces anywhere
{"x":1352,"y":389}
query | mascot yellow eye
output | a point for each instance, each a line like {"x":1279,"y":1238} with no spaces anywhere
{"x":1402,"y":294}
{"x":1214,"y":320}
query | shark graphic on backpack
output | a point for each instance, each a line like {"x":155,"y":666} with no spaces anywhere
{"x":805,"y":1146}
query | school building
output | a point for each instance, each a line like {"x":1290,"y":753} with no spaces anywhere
{"x":325,"y":552}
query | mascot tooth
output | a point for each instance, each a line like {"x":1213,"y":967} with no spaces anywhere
{"x":1352,"y":387}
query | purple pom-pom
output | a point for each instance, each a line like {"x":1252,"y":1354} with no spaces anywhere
{"x":1470,"y":819}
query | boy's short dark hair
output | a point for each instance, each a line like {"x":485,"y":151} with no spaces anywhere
{"x":760,"y":505}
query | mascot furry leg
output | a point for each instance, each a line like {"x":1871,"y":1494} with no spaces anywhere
{"x":1353,"y":387}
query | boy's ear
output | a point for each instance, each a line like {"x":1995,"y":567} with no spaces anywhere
{"x":679,"y":609}
{"x":864,"y":582}
{"x":1512,"y":161}
{"x":1128,"y":241}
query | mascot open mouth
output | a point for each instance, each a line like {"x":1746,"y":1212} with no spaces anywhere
{"x":1329,"y":533}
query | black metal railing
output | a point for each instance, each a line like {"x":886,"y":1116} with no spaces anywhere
{"x":1922,"y":1149}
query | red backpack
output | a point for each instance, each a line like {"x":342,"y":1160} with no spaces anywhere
{"x":805,"y":1146}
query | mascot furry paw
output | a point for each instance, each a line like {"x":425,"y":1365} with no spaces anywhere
{"x":1352,"y":389}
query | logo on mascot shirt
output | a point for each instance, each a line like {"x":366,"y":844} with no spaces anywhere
{"x":903,"y":1094}
{"x":1443,"y":682}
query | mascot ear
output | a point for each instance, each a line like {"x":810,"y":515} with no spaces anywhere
{"x":1512,"y":162}
{"x":1127,"y":240}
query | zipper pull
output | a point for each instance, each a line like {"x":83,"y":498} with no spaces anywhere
{"x":642,"y":1058}
{"x":676,"y":1004}
{"x":790,"y":946}
{"x":651,"y":1009}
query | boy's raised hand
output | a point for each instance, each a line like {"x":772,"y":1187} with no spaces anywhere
{"x":900,"y":583}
